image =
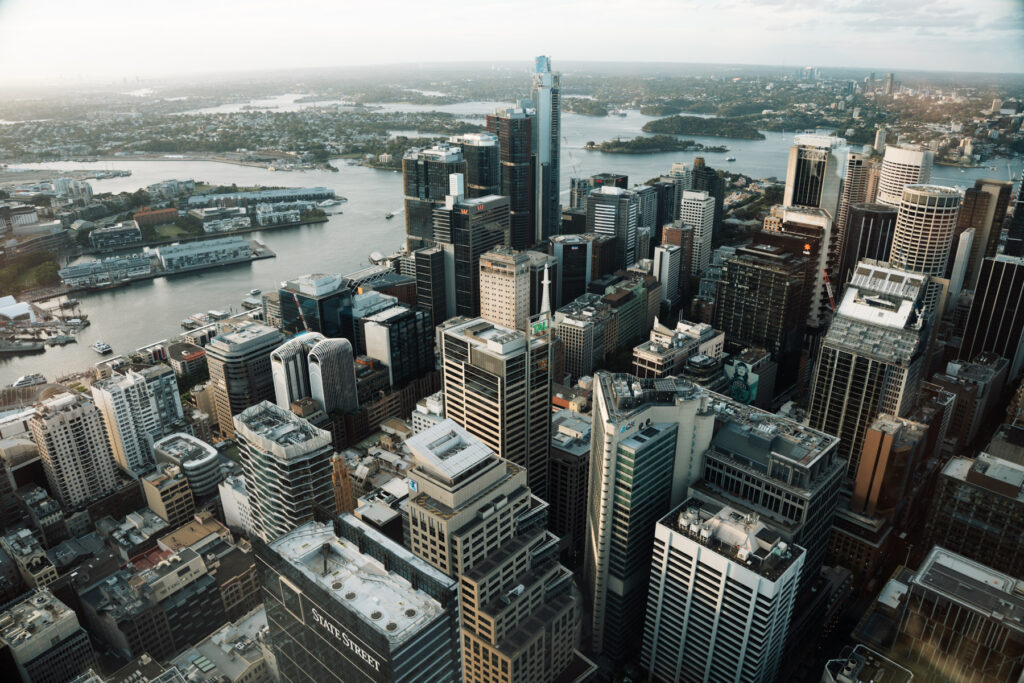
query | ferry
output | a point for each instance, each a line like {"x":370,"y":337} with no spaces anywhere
{"x":101,"y":348}
{"x":254,"y":292}
{"x":730,"y":158}
{"x":28,"y":381}
{"x":618,"y":112}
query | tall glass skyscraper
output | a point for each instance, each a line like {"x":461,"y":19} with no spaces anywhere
{"x":547,"y":132}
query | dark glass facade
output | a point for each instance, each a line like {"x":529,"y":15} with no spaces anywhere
{"x":517,"y":173}
{"x":316,"y":637}
{"x":869,"y":230}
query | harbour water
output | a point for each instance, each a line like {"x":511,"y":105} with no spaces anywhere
{"x":144,"y":312}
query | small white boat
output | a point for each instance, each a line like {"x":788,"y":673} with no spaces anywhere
{"x":730,"y":158}
{"x":102,"y":348}
{"x":254,"y":292}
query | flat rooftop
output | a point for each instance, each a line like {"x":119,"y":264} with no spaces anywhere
{"x":993,"y":594}
{"x":988,"y":472}
{"x":757,"y":434}
{"x":282,"y":427}
{"x":570,"y":432}
{"x":486,"y":336}
{"x":384,"y":601}
{"x":185,"y":447}
{"x":448,"y":449}
{"x":245,"y":333}
{"x":626,"y":394}
{"x":744,"y":539}
{"x":864,"y":665}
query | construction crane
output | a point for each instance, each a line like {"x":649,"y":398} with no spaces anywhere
{"x":302,"y":315}
{"x":828,"y":288}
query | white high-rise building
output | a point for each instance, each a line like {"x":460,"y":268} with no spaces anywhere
{"x":616,"y":212}
{"x":68,"y":431}
{"x":923,"y":236}
{"x":332,"y":376}
{"x":723,"y":586}
{"x":682,"y":175}
{"x":289,"y":366}
{"x":287,"y":468}
{"x":698,"y":209}
{"x":667,"y":258}
{"x":505,"y":287}
{"x":902,"y":166}
{"x":138,"y":408}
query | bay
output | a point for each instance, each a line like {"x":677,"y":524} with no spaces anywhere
{"x":137,"y":315}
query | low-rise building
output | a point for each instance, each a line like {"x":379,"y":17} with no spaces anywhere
{"x":108,"y":271}
{"x":116,"y":236}
{"x":237,"y":653}
{"x":36,"y":569}
{"x":203,"y":253}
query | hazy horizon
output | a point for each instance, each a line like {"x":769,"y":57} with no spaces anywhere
{"x":61,"y":41}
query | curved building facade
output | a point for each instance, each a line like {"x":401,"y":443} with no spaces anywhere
{"x":902,"y":166}
{"x":924,"y":231}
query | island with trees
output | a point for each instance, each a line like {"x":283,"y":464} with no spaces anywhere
{"x":695,"y":125}
{"x":584,"y":106}
{"x":651,"y":144}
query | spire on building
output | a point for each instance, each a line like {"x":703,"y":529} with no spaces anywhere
{"x":545,"y":302}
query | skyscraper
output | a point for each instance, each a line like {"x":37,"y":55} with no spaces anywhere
{"x":240,"y":371}
{"x":287,"y":468}
{"x":514,"y":128}
{"x":983,"y":209}
{"x":706,"y":179}
{"x":497,"y":386}
{"x":615,"y":212}
{"x":425,"y":175}
{"x":473,"y":516}
{"x":77,"y":459}
{"x":349,"y":605}
{"x":289,"y":365}
{"x":435,"y":282}
{"x":902,"y":166}
{"x":872,"y":358}
{"x":137,"y":410}
{"x":574,"y":254}
{"x":869,"y":229}
{"x":723,"y":586}
{"x":697,"y":208}
{"x":814,"y":235}
{"x":483,"y":162}
{"x":332,"y":376}
{"x":996,"y":319}
{"x":854,"y":190}
{"x":648,"y":438}
{"x":762,"y":301}
{"x":923,"y":237}
{"x":547,"y":141}
{"x":401,"y":337}
{"x":505,"y":287}
{"x":814,"y":173}
{"x":315,"y":303}
{"x":471,"y":227}
{"x":666,"y":268}
{"x":1015,"y":231}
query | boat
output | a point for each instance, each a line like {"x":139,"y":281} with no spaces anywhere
{"x":328,"y":203}
{"x":618,"y":112}
{"x":12,"y":347}
{"x":254,"y":292}
{"x":251,"y":303}
{"x":730,"y":158}
{"x":389,"y":216}
{"x":101,"y":348}
{"x":70,"y":303}
{"x":29,"y":381}
{"x":61,"y":340}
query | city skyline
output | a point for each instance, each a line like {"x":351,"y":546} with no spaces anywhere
{"x":943,"y":36}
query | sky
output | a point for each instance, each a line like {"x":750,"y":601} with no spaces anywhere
{"x":56,"y":41}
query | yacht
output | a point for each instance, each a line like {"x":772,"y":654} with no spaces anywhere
{"x":730,"y":158}
{"x":29,"y":381}
{"x":389,"y":216}
{"x":254,"y":292}
{"x":102,"y":348}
